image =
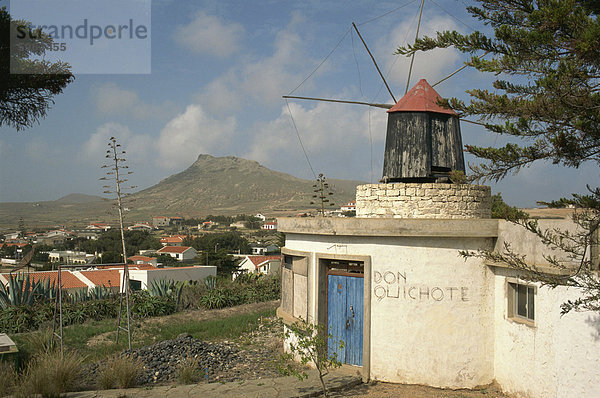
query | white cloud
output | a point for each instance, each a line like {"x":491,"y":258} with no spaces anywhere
{"x":208,"y":34}
{"x":219,"y":96}
{"x":110,"y":99}
{"x":263,"y":79}
{"x":192,"y":133}
{"x":431,"y":65}
{"x":138,"y":147}
{"x":336,"y":137}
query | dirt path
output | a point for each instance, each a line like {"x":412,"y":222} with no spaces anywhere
{"x":389,"y":390}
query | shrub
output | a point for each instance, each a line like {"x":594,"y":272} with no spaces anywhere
{"x":119,"y":372}
{"x":50,"y":374}
{"x":189,"y":371}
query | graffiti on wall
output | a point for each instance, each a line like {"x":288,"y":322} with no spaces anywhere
{"x":394,"y":285}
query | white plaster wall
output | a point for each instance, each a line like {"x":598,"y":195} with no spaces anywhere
{"x":176,"y":274}
{"x":524,"y":242}
{"x":557,"y":357}
{"x":445,"y":343}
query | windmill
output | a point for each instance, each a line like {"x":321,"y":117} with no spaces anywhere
{"x":423,"y":141}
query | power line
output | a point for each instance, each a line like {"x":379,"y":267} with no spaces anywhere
{"x":300,"y":139}
{"x":387,"y":13}
{"x":322,"y":62}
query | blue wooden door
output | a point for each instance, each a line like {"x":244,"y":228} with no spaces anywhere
{"x":345,"y":317}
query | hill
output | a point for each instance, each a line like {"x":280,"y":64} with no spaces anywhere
{"x":211,"y":185}
{"x":230,"y":185}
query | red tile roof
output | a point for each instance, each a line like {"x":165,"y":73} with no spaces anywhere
{"x":174,"y":249}
{"x":68,"y":280}
{"x":141,"y":258}
{"x":258,"y":260}
{"x":103,"y":277}
{"x":421,"y":98}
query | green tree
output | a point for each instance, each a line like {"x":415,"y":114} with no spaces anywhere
{"x":545,"y":55}
{"x":26,"y":97}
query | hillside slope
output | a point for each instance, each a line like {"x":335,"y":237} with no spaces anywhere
{"x":211,"y":185}
{"x":230,"y":185}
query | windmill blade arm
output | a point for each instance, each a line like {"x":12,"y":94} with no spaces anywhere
{"x":384,"y":106}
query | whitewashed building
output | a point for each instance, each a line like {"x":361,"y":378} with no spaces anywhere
{"x":392,"y":285}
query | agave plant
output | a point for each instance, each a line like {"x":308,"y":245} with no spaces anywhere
{"x":22,"y":290}
{"x":166,"y":288}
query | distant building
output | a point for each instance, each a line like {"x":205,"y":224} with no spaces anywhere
{"x":141,"y":226}
{"x":270,"y":226}
{"x":172,"y":240}
{"x":144,"y":260}
{"x":259,"y":265}
{"x":99,"y":227}
{"x":162,"y":221}
{"x":260,"y":217}
{"x":350,"y":206}
{"x":69,"y":257}
{"x":180,"y":253}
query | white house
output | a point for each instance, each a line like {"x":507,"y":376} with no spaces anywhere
{"x":98,"y":227}
{"x":143,"y":278}
{"x":180,"y":253}
{"x":350,"y":206}
{"x":259,"y":265}
{"x":270,"y":226}
{"x":391,"y":284}
{"x":144,"y":260}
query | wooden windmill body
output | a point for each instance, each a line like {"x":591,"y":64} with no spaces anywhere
{"x":423,"y":141}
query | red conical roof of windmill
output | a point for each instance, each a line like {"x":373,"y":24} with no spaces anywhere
{"x":421,"y":98}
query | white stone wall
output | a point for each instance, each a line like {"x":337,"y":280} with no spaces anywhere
{"x":423,"y":200}
{"x":431,"y":311}
{"x":557,"y":356}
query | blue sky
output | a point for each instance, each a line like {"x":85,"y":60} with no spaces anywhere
{"x":218,"y":71}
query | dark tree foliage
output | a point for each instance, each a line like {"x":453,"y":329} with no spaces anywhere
{"x":111,"y":242}
{"x":545,"y":55}
{"x":228,"y":241}
{"x":502,"y":210}
{"x":25,"y":97}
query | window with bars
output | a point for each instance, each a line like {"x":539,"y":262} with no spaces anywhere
{"x":521,"y":301}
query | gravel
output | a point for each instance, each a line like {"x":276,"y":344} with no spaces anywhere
{"x":253,"y":357}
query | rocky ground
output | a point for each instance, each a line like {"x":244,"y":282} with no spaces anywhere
{"x":254,"y":356}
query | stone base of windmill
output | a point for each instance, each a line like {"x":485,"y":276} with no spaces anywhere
{"x":423,"y":200}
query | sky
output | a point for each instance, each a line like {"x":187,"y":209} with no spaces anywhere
{"x":212,"y":83}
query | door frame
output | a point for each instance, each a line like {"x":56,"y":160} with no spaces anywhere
{"x":321,"y":269}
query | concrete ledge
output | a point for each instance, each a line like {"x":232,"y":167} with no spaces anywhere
{"x":286,"y":318}
{"x":471,"y":228}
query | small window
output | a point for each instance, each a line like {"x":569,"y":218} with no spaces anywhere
{"x":521,"y":301}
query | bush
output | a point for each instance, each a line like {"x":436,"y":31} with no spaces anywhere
{"x":189,"y":371}
{"x":119,"y":372}
{"x":50,"y":374}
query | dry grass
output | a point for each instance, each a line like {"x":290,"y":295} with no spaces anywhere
{"x":50,"y":374}
{"x":119,"y":372}
{"x":189,"y":371}
{"x":8,"y":378}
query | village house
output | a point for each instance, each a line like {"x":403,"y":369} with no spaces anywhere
{"x":70,"y":257}
{"x":180,"y":253}
{"x":350,"y":206}
{"x":266,"y":265}
{"x":99,"y":227}
{"x":140,"y":226}
{"x":172,"y":240}
{"x":269,"y":226}
{"x":143,"y":260}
